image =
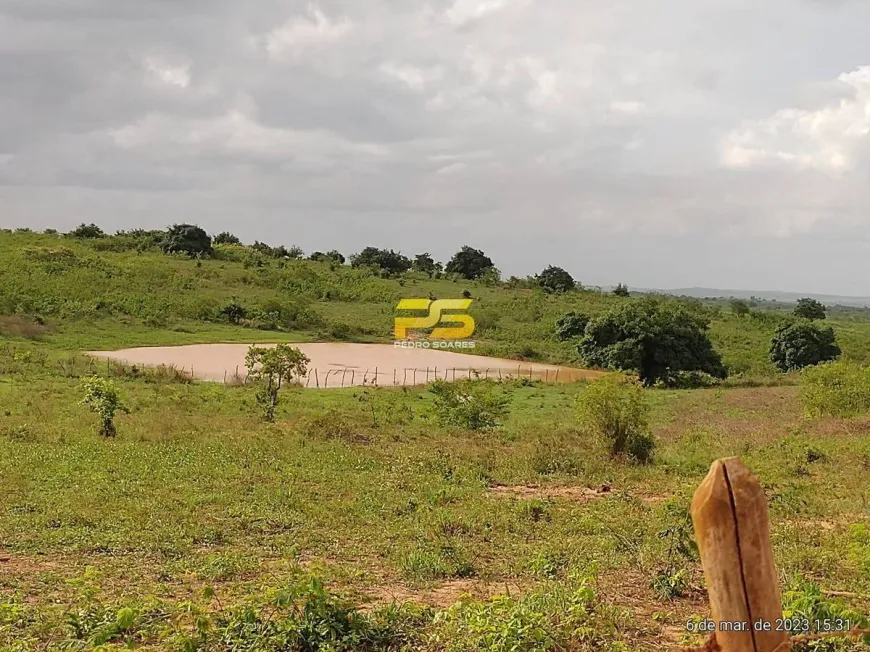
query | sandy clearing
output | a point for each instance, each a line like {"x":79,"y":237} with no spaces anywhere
{"x":346,"y":364}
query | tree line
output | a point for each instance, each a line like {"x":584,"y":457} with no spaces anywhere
{"x":468,"y":263}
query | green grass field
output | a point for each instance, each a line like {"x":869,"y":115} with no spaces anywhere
{"x":357,"y":521}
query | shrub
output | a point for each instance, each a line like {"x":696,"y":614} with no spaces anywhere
{"x":621,"y":290}
{"x":187,"y":239}
{"x":272,"y":367}
{"x":469,"y":263}
{"x":305,"y":617}
{"x":470,"y":404}
{"x":226,"y":238}
{"x":19,"y":326}
{"x":556,"y":279}
{"x":840,"y":389}
{"x":739,"y":307}
{"x":426,"y":264}
{"x":101,"y":396}
{"x":335,"y":257}
{"x":388,"y":261}
{"x":799,"y":344}
{"x":656,"y":339}
{"x":86,"y":232}
{"x":571,"y":325}
{"x":561,"y":616}
{"x":615,"y":408}
{"x":809,"y":309}
{"x":234,"y":312}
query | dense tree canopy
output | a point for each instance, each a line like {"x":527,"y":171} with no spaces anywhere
{"x":333,"y":256}
{"x":469,"y":263}
{"x":187,"y":238}
{"x":87,"y":231}
{"x":426,"y":264}
{"x":571,"y":325}
{"x":739,"y":307}
{"x":621,"y":290}
{"x":386,"y":260}
{"x":656,"y":339}
{"x":809,"y":309}
{"x":226,"y":238}
{"x":800,"y":343}
{"x":556,"y":279}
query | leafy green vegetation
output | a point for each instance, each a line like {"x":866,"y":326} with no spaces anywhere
{"x":840,"y":389}
{"x":616,"y":408}
{"x":477,"y":516}
{"x":802,"y":344}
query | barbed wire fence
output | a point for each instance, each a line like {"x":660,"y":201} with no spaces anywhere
{"x":350,"y":376}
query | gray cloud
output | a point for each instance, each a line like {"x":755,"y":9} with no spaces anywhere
{"x":670,"y":144}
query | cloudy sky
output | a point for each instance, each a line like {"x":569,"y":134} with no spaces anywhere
{"x":666,"y":144}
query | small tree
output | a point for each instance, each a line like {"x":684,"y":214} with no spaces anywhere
{"x":470,"y":404}
{"x":86,"y":232}
{"x":272,"y":367}
{"x":621,"y":290}
{"x":809,"y":309}
{"x":188,"y":239}
{"x":615,"y":408}
{"x":656,"y":339}
{"x":333,"y":256}
{"x":386,"y":260}
{"x":226,"y":238}
{"x":556,"y":279}
{"x":739,"y":307}
{"x":798,"y":344}
{"x":101,"y":396}
{"x":426,"y":264}
{"x":571,"y":325}
{"x":469,"y":263}
{"x":234,"y":312}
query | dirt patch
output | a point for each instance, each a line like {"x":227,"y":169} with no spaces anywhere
{"x":21,"y":566}
{"x":445,"y":594}
{"x":542,"y":492}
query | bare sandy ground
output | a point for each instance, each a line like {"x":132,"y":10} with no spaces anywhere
{"x":344,"y":364}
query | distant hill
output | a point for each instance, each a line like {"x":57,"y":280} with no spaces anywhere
{"x":784,"y":297}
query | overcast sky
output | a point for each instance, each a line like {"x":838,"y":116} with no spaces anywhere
{"x":666,"y":144}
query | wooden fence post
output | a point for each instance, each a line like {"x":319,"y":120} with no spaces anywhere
{"x":732,"y":527}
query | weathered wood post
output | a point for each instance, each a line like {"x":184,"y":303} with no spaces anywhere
{"x":732,"y":527}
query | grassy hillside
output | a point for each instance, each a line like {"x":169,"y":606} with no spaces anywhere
{"x":359,"y":520}
{"x":104,"y":292}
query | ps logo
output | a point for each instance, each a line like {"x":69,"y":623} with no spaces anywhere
{"x":435,"y":310}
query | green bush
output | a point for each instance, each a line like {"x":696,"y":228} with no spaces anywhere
{"x":809,"y":309}
{"x":571,"y":325}
{"x":798,"y":344}
{"x":469,"y":263}
{"x":187,"y":239}
{"x":655,"y":338}
{"x":304,"y":617}
{"x":556,"y":279}
{"x":101,"y":396}
{"x":470,"y":404}
{"x":840,"y":389}
{"x":555,"y":617}
{"x":615,"y":408}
